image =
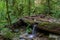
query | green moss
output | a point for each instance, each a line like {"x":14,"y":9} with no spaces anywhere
{"x":44,"y":23}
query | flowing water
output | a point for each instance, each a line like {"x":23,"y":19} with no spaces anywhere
{"x":34,"y":29}
{"x":33,"y":34}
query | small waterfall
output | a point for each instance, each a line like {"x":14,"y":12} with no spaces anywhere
{"x":34,"y":28}
{"x":33,"y":31}
{"x":31,"y":36}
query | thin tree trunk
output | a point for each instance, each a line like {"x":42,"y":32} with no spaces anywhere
{"x":13,"y":5}
{"x":48,"y":5}
{"x":29,"y":7}
{"x":9,"y":19}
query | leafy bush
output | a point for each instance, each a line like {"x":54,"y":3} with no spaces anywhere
{"x":7,"y":33}
{"x":55,"y":5}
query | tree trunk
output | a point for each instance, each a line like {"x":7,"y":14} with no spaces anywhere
{"x":9,"y":19}
{"x":48,"y":5}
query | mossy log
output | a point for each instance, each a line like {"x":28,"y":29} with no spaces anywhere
{"x":45,"y":24}
{"x":49,"y":25}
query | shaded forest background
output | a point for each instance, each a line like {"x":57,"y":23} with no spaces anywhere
{"x":11,"y":10}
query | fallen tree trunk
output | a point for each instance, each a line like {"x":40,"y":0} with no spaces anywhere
{"x":44,"y":25}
